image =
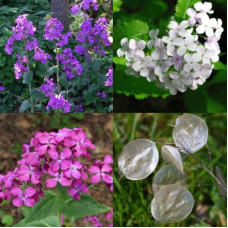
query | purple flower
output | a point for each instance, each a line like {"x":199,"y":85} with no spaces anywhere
{"x":101,"y":94}
{"x":61,"y":178}
{"x":75,"y":9}
{"x":71,"y":65}
{"x":74,"y":170}
{"x":1,"y":87}
{"x":9,"y":45}
{"x":77,"y":188}
{"x":58,"y":102}
{"x":60,"y":160}
{"x":27,"y":197}
{"x":64,"y":39}
{"x":94,"y":219}
{"x":80,"y":50}
{"x":27,"y":173}
{"x":79,"y":108}
{"x":100,"y":172}
{"x":48,"y":88}
{"x":53,"y":29}
{"x":109,"y":81}
{"x":19,"y":67}
{"x":31,"y":44}
{"x":41,"y":56}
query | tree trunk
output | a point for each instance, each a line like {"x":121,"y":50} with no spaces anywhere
{"x":60,"y":10}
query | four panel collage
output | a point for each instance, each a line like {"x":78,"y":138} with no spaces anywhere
{"x":113,"y":113}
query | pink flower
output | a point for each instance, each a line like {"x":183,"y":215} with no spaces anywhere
{"x":32,"y":158}
{"x":74,"y":170}
{"x":60,"y":160}
{"x":61,"y":178}
{"x":27,"y":173}
{"x":100,"y":173}
{"x":26,"y":197}
{"x":77,"y":188}
{"x":108,"y":159}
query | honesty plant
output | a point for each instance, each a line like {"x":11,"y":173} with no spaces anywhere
{"x":172,"y":202}
{"x":91,"y":40}
{"x":183,"y":58}
{"x":59,"y":161}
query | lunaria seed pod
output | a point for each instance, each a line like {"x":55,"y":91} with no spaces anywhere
{"x":190,"y":133}
{"x":171,"y":155}
{"x":138,"y":159}
{"x":172,"y":203}
{"x":167,"y":175}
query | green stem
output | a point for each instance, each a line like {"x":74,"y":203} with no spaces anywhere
{"x":59,"y":219}
{"x":134,"y":126}
{"x":57,"y":73}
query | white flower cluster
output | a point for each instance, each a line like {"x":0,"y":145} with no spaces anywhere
{"x":182,"y":59}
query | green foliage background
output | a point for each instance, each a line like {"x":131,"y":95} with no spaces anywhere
{"x":132,"y":199}
{"x":134,"y":19}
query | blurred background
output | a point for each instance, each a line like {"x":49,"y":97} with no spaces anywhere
{"x":17,"y":129}
{"x":134,"y":19}
{"x":132,"y":199}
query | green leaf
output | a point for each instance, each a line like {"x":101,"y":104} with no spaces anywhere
{"x":220,"y":66}
{"x":129,"y":85}
{"x":24,"y":106}
{"x":64,"y":82}
{"x":7,"y":220}
{"x":27,"y":77}
{"x":116,"y":5}
{"x":37,"y":94}
{"x":84,"y":207}
{"x":47,"y":206}
{"x":182,"y":6}
{"x":51,"y":221}
{"x":52,"y":70}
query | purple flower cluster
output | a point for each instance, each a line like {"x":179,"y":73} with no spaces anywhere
{"x":71,"y":65}
{"x":102,"y":171}
{"x":64,"y":40}
{"x":48,"y":88}
{"x":41,"y":56}
{"x":58,"y":102}
{"x":79,"y":108}
{"x":101,"y":94}
{"x":109,"y":81}
{"x":85,"y":5}
{"x":54,"y":156}
{"x":96,"y":35}
{"x":53,"y":29}
{"x":20,"y":66}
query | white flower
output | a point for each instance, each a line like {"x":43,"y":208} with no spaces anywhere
{"x":148,"y":69}
{"x":175,"y":60}
{"x":183,"y":77}
{"x":185,"y":44}
{"x":192,"y":62}
{"x":179,"y":29}
{"x":204,"y":7}
{"x":169,"y":41}
{"x":137,"y":66}
{"x":205,"y":54}
{"x":206,"y":26}
{"x":204,"y":71}
{"x":193,"y":16}
{"x":124,"y":51}
{"x":137,"y":47}
{"x":160,"y":51}
{"x":153,"y":35}
{"x":212,"y":43}
{"x":219,"y":28}
{"x":170,"y":86}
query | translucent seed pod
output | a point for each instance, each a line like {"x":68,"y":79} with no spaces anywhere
{"x":171,"y":155}
{"x":190,"y":133}
{"x":138,"y":159}
{"x":172,"y":203}
{"x":167,"y":175}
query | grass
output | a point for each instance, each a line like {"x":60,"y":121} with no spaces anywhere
{"x":132,"y":199}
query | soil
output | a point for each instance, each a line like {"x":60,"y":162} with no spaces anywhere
{"x":17,"y":129}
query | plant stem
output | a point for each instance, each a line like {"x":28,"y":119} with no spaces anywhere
{"x":59,"y":219}
{"x":134,"y":126}
{"x":30,"y":85}
{"x":57,"y":73}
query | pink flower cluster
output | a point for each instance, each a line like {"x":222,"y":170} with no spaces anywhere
{"x":54,"y":156}
{"x":85,"y":5}
{"x":109,"y":81}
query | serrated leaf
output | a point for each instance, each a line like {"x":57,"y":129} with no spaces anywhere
{"x":129,"y":85}
{"x":24,"y":106}
{"x":47,"y":206}
{"x":220,"y":66}
{"x":51,"y":221}
{"x":27,"y":77}
{"x":182,"y":6}
{"x":84,"y":207}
